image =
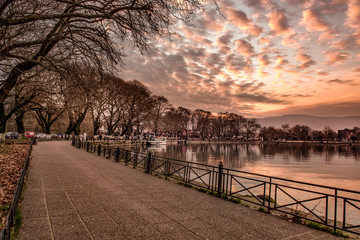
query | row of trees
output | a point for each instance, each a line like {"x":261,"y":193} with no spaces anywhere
{"x":51,"y":50}
{"x":300,"y":132}
{"x":122,"y":107}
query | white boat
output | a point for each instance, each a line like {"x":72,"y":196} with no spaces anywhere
{"x":157,"y":141}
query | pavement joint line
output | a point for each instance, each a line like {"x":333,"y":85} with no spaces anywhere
{"x":136,"y":214}
{"x":79,"y":216}
{"x":180,"y":223}
{"x":301,"y":234}
{"x":89,"y":183}
{"x":96,"y":204}
{"x":47,"y":209}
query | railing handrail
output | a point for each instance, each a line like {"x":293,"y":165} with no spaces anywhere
{"x":245,"y":172}
{"x":220,"y":180}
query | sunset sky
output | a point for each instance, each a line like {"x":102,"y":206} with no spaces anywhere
{"x":267,"y":58}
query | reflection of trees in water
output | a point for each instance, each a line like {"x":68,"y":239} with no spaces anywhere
{"x":236,"y":155}
{"x":299,"y":151}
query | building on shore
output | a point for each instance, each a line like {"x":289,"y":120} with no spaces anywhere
{"x":349,"y":134}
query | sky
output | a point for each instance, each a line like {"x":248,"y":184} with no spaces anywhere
{"x":259,"y":58}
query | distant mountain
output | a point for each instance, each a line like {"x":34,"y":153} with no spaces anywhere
{"x":314,"y":122}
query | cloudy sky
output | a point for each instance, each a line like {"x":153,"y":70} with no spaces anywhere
{"x":267,"y":58}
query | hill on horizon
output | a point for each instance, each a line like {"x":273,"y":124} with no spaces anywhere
{"x":317,"y":123}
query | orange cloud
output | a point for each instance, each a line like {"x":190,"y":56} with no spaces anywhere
{"x":357,"y":36}
{"x":244,"y":48}
{"x":280,"y":61}
{"x":224,"y":40}
{"x":194,"y":36}
{"x":353,"y":14}
{"x":264,"y":41}
{"x":241,"y":20}
{"x":263,"y":59}
{"x":313,"y":21}
{"x":289,"y":41}
{"x":279,"y":23}
{"x":306,"y":60}
{"x":336,"y":57}
{"x":327,"y":35}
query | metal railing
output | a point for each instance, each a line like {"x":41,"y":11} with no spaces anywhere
{"x":5,"y":233}
{"x":334,"y":207}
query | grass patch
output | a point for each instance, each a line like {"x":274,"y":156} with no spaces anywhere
{"x":235,"y":200}
{"x":186,"y":185}
{"x":17,"y":224}
{"x":321,"y":227}
{"x":203,"y":190}
{"x":262,"y":209}
{"x":223,"y":196}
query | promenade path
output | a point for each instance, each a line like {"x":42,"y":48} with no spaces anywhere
{"x":72,"y":194}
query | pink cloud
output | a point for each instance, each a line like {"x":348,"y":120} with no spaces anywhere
{"x":351,"y":42}
{"x":280,"y":61}
{"x":357,"y":36}
{"x":194,"y":36}
{"x":356,"y":69}
{"x":240,"y":19}
{"x":224,"y":39}
{"x":263,"y":59}
{"x":323,"y":73}
{"x":265,"y":41}
{"x":327,"y":35}
{"x":314,"y":21}
{"x":279,"y":23}
{"x":353,"y":14}
{"x":244,"y":48}
{"x":306,"y":61}
{"x":237,"y":64}
{"x":336,"y":57}
{"x":289,"y":41}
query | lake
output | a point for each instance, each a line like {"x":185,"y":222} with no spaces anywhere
{"x":330,"y":165}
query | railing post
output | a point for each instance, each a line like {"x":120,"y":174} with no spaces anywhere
{"x":99,"y":150}
{"x":344,"y":214}
{"x":148,"y":163}
{"x":135,"y":159}
{"x":335,"y":213}
{"x":117,"y":154}
{"x":167,"y":168}
{"x":269,"y":202}
{"x":327,"y":210}
{"x":126,"y":157}
{"x":220,"y":177}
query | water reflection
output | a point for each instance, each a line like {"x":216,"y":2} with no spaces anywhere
{"x":332,"y":165}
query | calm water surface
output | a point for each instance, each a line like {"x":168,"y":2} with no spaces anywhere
{"x":330,"y":165}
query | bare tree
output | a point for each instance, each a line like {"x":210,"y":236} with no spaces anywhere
{"x":201,"y":122}
{"x":42,"y":35}
{"x":161,"y":106}
{"x":251,"y":128}
{"x":137,"y":107}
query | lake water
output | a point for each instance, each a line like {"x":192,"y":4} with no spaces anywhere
{"x":330,"y":165}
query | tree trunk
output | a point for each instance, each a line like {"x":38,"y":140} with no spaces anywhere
{"x":20,"y":121}
{"x":3,"y":119}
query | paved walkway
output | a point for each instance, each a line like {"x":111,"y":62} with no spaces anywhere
{"x":71,"y":194}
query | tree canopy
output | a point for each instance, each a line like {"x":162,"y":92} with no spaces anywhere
{"x":48,"y":35}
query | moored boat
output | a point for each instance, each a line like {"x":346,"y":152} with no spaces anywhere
{"x":157,"y":141}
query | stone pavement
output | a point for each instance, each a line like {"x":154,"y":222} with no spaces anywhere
{"x":72,"y":194}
